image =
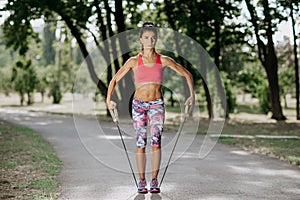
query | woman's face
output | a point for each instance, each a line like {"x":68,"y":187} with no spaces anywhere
{"x":148,"y":39}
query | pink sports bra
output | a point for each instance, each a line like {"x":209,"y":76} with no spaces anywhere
{"x":148,"y":74}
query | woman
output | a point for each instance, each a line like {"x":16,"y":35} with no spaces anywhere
{"x":147,"y":104}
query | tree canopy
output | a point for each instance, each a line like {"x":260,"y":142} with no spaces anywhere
{"x":233,"y":44}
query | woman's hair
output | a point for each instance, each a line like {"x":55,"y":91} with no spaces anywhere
{"x":148,"y":26}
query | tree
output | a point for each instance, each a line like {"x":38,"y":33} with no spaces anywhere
{"x":286,"y":69}
{"x":208,"y":22}
{"x":18,"y":30}
{"x":77,"y":15}
{"x":5,"y":86}
{"x":295,"y":56}
{"x":290,"y":9}
{"x":263,"y":29}
{"x":48,"y":41}
{"x":25,"y":80}
{"x":285,"y":82}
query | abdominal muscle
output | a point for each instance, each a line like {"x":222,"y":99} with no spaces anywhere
{"x":148,"y":91}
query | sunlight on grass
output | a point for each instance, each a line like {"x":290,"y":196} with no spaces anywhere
{"x":294,"y":159}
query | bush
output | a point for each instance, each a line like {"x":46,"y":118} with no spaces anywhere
{"x":230,"y":96}
{"x":263,"y":94}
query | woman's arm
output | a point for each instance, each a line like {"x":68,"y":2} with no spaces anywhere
{"x":130,"y":63}
{"x":169,"y":62}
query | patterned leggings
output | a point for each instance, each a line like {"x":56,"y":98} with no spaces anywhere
{"x":144,"y":112}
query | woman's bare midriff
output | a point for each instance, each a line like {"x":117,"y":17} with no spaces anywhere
{"x":148,"y":91}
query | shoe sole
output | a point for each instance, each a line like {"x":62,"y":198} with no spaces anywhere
{"x":143,"y":191}
{"x":154,"y":191}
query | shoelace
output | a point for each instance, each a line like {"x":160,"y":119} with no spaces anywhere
{"x":142,"y":183}
{"x":154,"y":183}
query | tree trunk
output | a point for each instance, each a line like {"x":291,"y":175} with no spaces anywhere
{"x":271,"y":65}
{"x":274,"y":91}
{"x":29,"y":98}
{"x":208,"y":100}
{"x":217,"y":53}
{"x":22,"y":98}
{"x":296,"y":63}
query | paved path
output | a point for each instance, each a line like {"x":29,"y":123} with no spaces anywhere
{"x":95,"y":166}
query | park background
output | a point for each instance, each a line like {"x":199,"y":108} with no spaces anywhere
{"x":254,"y":45}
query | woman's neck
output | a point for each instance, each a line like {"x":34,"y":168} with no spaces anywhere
{"x":148,"y":52}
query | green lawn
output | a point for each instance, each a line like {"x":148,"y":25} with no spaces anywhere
{"x":285,"y":149}
{"x":28,"y":164}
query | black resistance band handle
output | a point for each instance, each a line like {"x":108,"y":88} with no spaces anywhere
{"x":114,"y":114}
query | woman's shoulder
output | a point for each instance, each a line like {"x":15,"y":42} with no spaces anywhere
{"x":136,"y":57}
{"x":133,"y":58}
{"x":165,"y":59}
{"x":131,"y":62}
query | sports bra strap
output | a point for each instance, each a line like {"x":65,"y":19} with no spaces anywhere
{"x":140,"y":60}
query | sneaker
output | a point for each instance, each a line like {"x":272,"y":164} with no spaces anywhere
{"x":142,"y":186}
{"x":154,"y":186}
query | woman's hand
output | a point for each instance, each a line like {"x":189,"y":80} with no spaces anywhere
{"x":190,"y":101}
{"x":111,"y":105}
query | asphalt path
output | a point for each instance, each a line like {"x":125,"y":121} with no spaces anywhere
{"x":95,"y":165}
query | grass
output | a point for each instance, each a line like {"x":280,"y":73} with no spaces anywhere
{"x":251,"y":108}
{"x":284,"y":149}
{"x":28,"y":164}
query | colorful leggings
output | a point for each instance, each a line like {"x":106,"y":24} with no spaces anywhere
{"x":142,"y":112}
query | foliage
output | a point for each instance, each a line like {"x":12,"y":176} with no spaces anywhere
{"x":56,"y":93}
{"x":263,"y":94}
{"x":235,"y":58}
{"x":24,"y":79}
{"x":253,"y":80}
{"x":250,"y":77}
{"x":6,"y":55}
{"x":19,"y":23}
{"x":286,"y":80}
{"x":5,"y":86}
{"x":216,"y":25}
{"x":42,"y":86}
{"x":52,"y":77}
{"x":230,"y":94}
{"x":286,"y":71}
{"x":48,"y":41}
